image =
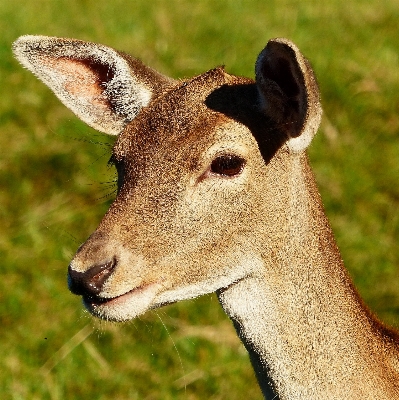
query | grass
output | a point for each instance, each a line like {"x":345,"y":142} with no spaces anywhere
{"x":54,"y":191}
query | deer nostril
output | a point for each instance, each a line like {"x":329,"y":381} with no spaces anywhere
{"x":90,"y":282}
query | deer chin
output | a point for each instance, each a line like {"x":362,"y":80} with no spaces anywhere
{"x":123,"y":307}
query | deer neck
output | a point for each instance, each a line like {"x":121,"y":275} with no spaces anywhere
{"x":303,"y":324}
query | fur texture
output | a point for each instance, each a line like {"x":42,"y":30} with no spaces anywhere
{"x":216,"y":194}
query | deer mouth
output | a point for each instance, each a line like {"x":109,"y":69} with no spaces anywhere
{"x":125,"y":306}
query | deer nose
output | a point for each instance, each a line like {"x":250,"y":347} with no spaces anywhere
{"x":90,"y":282}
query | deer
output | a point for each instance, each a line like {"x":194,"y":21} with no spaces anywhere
{"x":215,"y":193}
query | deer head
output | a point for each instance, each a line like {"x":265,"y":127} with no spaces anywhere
{"x":201,"y":168}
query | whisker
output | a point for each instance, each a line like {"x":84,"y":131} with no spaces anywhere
{"x":174,"y":345}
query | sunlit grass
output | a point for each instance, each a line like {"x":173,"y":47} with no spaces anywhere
{"x":55,"y":187}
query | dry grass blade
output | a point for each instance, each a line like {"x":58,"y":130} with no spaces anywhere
{"x":66,"y":349}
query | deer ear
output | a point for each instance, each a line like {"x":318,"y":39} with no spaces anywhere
{"x":103,"y":87}
{"x":288,"y":91}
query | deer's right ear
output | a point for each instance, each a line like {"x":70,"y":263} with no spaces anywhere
{"x":103,"y":87}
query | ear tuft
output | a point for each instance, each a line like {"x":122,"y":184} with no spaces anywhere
{"x":104,"y":88}
{"x":288,"y":91}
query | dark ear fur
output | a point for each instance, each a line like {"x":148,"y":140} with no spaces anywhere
{"x":288,"y":92}
{"x":104,"y":88}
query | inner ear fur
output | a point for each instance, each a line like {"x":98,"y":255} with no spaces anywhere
{"x":288,"y":91}
{"x":103,"y":87}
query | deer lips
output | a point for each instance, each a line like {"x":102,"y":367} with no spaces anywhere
{"x":125,"y":306}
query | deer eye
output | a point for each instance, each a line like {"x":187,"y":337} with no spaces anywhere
{"x":227,"y":165}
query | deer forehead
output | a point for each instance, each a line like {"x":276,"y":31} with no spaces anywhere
{"x":186,"y":124}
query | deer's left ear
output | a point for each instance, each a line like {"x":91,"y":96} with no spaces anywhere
{"x":288,"y":92}
{"x":103,"y":87}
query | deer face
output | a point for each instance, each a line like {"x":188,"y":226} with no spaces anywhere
{"x":164,"y":237}
{"x":195,"y":160}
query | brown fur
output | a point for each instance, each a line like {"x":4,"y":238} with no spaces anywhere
{"x":259,"y":238}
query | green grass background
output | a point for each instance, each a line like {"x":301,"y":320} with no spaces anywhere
{"x":54,"y":190}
